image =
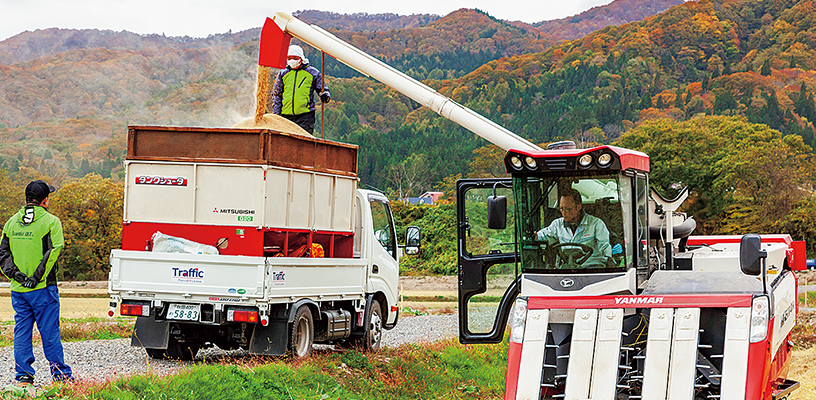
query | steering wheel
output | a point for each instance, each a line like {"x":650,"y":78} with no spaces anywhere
{"x":571,"y":254}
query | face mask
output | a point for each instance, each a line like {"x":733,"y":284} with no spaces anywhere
{"x":293,"y":63}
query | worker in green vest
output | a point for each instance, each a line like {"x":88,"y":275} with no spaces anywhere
{"x":293,"y":89}
{"x":30,"y":244}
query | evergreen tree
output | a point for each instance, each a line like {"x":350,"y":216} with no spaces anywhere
{"x":766,"y":68}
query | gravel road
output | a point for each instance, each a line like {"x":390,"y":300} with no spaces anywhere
{"x":100,"y":360}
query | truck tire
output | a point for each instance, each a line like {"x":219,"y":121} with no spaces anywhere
{"x":301,"y":333}
{"x":371,"y":339}
{"x":181,"y":351}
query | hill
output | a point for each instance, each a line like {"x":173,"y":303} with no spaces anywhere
{"x":734,"y":57}
{"x":618,"y":12}
{"x":364,"y":22}
{"x":28,"y":45}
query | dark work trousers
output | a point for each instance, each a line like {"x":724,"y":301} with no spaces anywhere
{"x":41,"y":306}
{"x":305,"y":120}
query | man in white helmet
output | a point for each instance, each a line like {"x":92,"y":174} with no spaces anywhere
{"x":294,"y":85}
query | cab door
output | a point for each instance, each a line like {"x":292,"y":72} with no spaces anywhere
{"x":488,"y":261}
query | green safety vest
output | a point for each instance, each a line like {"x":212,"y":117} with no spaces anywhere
{"x":297,"y":87}
{"x":29,"y":239}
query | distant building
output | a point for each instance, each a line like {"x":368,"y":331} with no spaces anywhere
{"x":424,"y":198}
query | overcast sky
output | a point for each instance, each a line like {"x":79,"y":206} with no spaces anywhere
{"x":200,"y":18}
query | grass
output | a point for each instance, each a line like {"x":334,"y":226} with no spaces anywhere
{"x":454,"y":299}
{"x":809,"y":301}
{"x":75,"y":330}
{"x":443,"y":370}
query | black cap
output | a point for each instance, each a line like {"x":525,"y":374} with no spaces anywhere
{"x":38,"y":190}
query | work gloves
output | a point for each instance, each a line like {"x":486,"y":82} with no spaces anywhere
{"x":30,"y":282}
{"x":325,"y":97}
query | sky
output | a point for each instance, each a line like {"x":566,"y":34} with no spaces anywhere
{"x":200,"y":18}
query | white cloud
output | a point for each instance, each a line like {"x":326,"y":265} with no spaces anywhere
{"x":203,"y":17}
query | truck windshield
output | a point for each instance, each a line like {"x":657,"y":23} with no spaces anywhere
{"x":573,"y":224}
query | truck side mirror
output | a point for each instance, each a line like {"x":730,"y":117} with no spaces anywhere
{"x":413,"y":240}
{"x":496,"y":212}
{"x":751,"y":254}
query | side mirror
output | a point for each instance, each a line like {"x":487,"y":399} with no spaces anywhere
{"x":413,"y":240}
{"x":751,"y":254}
{"x":496,"y":212}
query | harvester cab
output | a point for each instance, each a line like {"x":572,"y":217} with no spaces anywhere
{"x":608,"y":295}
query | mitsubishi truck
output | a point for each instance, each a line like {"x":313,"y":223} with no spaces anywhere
{"x":298,"y":254}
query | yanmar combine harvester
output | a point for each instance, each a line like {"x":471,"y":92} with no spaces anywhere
{"x":638,"y":310}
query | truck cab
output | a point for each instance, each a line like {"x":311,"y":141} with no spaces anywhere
{"x":605,"y":298}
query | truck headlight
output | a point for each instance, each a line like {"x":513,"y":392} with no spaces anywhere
{"x":519,"y":320}
{"x":760,"y":314}
{"x":585,"y":160}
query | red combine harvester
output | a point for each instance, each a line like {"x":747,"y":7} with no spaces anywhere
{"x":638,"y":309}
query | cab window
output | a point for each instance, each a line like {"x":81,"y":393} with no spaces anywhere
{"x":384,"y":230}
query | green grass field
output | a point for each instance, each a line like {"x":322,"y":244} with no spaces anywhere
{"x":444,"y":370}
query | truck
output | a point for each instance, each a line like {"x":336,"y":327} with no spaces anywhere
{"x":663,"y":315}
{"x":291,"y":252}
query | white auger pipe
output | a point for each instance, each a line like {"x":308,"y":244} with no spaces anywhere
{"x":422,"y":94}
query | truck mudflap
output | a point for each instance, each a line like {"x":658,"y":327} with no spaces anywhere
{"x":150,"y":334}
{"x":638,"y":347}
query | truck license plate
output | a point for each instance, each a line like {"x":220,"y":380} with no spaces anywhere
{"x":183,"y":312}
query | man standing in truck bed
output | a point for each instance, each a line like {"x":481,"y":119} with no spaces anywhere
{"x":31,"y":242}
{"x":292,"y":92}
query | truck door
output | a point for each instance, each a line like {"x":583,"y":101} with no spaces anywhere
{"x":488,"y":261}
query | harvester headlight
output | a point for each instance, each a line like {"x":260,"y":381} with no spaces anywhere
{"x":760,"y":314}
{"x":605,"y":159}
{"x":516,"y":162}
{"x":519,"y":320}
{"x":531,"y":162}
{"x":585,"y":160}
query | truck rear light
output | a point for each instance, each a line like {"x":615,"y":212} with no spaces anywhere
{"x":138,"y":310}
{"x":111,"y":312}
{"x":760,"y":314}
{"x":242,"y":316}
{"x":265,"y":320}
{"x":519,"y":320}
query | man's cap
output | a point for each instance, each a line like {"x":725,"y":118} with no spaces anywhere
{"x":38,"y":190}
{"x":295,"y":50}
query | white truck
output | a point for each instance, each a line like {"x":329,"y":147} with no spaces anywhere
{"x":303,"y":256}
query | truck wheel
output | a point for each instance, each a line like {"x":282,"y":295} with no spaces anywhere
{"x":158,"y":354}
{"x":374,"y":331}
{"x":301,"y":333}
{"x":181,"y":351}
{"x":371,"y":338}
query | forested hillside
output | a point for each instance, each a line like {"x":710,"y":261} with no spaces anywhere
{"x":616,"y":13}
{"x":364,"y":22}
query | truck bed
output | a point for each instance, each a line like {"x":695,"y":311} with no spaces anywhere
{"x":233,"y":279}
